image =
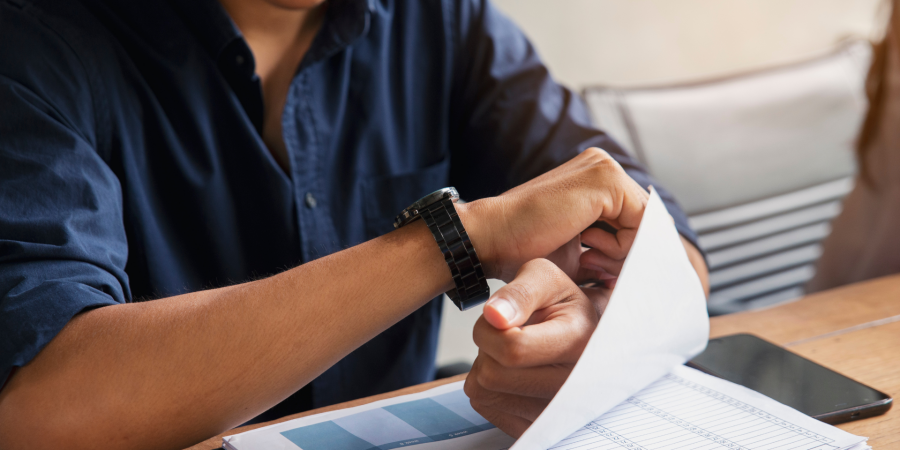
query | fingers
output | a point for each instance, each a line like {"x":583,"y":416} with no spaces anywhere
{"x":608,"y":252}
{"x":559,"y":316}
{"x":507,"y":423}
{"x":616,"y":246}
{"x":538,"y":382}
{"x":566,"y":257}
{"x":538,"y":284}
{"x":528,"y":408}
{"x":624,"y":201}
{"x":606,"y":267}
{"x":511,"y":400}
{"x":556,"y":340}
{"x":634,"y":201}
{"x":530,"y":336}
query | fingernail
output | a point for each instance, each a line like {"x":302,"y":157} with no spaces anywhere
{"x":505,"y":308}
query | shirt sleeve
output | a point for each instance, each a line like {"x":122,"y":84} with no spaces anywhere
{"x":513,"y":119}
{"x":62,"y":240}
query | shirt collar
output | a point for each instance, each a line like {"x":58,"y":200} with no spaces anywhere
{"x":345,"y":21}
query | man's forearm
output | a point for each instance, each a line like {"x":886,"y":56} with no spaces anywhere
{"x":170,"y":372}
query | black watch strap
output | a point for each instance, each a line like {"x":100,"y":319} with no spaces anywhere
{"x":471,"y":285}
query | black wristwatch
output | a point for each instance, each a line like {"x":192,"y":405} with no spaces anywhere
{"x":439,"y":213}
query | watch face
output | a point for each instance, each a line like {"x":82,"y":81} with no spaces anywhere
{"x":434,"y":197}
{"x":412,"y":212}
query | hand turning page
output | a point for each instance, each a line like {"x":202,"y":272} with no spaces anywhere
{"x":656,"y":319}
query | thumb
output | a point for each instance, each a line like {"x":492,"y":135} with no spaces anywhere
{"x":538,"y":284}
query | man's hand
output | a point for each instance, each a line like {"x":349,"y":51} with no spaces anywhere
{"x":545,"y":218}
{"x":606,"y":264}
{"x":530,"y":336}
{"x":547,"y":214}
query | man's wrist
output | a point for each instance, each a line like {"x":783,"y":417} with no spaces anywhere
{"x":476,"y":220}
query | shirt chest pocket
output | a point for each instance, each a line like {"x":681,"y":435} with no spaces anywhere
{"x":386,"y":196}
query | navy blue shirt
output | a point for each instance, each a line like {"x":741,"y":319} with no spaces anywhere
{"x":132,"y":168}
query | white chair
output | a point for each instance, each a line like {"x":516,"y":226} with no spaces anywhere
{"x":759,"y":161}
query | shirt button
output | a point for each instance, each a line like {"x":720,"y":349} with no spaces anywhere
{"x":239,"y":59}
{"x":310,"y":200}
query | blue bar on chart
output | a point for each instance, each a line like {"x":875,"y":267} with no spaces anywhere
{"x":325,"y":436}
{"x":433,"y":419}
{"x":445,"y":416}
{"x":381,"y":429}
{"x":457,"y":402}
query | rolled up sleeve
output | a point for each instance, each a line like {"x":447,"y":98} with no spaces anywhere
{"x":62,"y":241}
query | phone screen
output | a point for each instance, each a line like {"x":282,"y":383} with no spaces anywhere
{"x":788,"y":378}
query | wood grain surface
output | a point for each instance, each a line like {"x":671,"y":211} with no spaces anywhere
{"x":854,"y":330}
{"x":872,"y":357}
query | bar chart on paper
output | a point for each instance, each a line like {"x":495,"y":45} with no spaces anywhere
{"x":433,"y":419}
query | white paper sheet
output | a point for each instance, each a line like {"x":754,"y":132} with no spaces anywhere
{"x":655,"y":320}
{"x":685,"y":409}
{"x":688,"y":409}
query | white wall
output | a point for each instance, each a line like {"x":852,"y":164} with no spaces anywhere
{"x":639,"y":42}
{"x":636,"y":42}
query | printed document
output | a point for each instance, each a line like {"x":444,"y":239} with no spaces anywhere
{"x":685,"y":410}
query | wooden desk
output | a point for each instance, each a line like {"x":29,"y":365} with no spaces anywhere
{"x":854,"y":330}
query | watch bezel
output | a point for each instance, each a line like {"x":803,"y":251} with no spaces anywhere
{"x":411,"y":213}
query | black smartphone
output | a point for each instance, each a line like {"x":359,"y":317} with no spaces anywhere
{"x":789,"y":378}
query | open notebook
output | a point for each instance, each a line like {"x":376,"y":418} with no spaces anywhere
{"x":627,"y":390}
{"x":685,"y":410}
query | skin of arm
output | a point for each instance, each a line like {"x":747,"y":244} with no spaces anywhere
{"x":171,"y":372}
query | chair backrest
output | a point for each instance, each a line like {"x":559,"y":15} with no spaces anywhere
{"x":759,"y":161}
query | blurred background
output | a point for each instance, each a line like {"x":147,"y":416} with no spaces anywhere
{"x":649,"y":42}
{"x":691,"y":85}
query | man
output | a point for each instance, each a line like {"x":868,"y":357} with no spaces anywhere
{"x":192,"y":152}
